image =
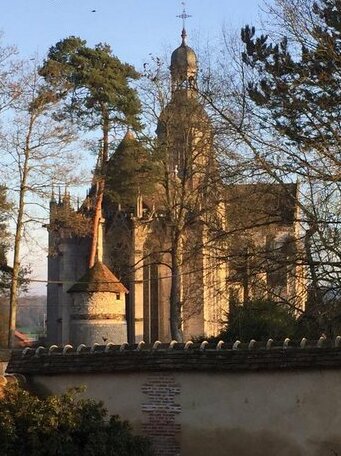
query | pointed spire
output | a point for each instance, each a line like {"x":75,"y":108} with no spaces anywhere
{"x":100,"y":240}
{"x":128,"y":140}
{"x":66,"y":197}
{"x":139,"y":205}
{"x":183,"y":61}
{"x":129,"y":135}
{"x":183,"y":36}
{"x":53,"y":198}
{"x":183,"y":16}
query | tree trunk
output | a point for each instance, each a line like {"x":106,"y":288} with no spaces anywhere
{"x":100,"y":187}
{"x":316,"y":295}
{"x":96,"y":223}
{"x":14,"y":290}
{"x":175,"y":301}
{"x":13,"y":300}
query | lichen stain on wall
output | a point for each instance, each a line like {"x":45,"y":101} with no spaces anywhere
{"x":223,"y":442}
{"x":274,"y":413}
{"x":328,"y":447}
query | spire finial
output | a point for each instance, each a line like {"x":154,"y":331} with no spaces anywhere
{"x":183,"y":36}
{"x":53,"y":198}
{"x":183,"y":16}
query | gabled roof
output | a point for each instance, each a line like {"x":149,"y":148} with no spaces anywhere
{"x":98,"y":279}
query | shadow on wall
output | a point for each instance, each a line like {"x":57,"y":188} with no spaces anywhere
{"x":222,"y":442}
{"x":330,"y":447}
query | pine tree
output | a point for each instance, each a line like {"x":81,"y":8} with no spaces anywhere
{"x":95,"y":88}
{"x":299,"y":86}
{"x":296,"y":94}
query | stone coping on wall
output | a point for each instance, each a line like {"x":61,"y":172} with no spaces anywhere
{"x":5,"y":355}
{"x":220,"y":357}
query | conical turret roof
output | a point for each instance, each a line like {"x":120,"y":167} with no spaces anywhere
{"x":128,"y":144}
{"x":129,"y":140}
{"x":99,"y":278}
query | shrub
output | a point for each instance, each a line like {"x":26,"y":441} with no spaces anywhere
{"x":260,"y":320}
{"x":65,"y":425}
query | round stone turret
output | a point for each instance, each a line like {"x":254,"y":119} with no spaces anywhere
{"x":98,"y":309}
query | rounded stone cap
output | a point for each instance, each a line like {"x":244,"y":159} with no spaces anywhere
{"x":183,"y":62}
{"x":184,"y":56}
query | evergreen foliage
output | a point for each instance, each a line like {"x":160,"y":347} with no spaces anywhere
{"x":95,"y":89}
{"x":323,"y":317}
{"x":265,"y":319}
{"x":93,"y":82}
{"x":295,"y":94}
{"x":130,"y":171}
{"x":259,"y":320}
{"x":299,"y":86}
{"x":63,"y":425}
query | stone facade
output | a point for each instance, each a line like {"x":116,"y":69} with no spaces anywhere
{"x":97,"y":318}
{"x":67,"y":262}
{"x":98,"y":308}
{"x":255,"y":258}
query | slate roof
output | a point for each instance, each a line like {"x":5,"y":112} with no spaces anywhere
{"x":262,"y":203}
{"x":98,"y":279}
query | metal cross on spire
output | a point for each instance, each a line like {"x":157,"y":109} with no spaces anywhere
{"x":184,"y":16}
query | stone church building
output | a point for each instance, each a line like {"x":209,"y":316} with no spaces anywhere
{"x":194,"y":239}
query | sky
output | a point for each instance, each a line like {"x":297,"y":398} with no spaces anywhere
{"x":134,"y":29}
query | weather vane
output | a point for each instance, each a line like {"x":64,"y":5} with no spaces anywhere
{"x":183,"y":15}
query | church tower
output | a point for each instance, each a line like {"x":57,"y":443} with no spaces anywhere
{"x":184,"y":68}
{"x":184,"y":129}
{"x":185,"y":137}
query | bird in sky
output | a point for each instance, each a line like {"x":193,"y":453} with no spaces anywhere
{"x":94,"y":11}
